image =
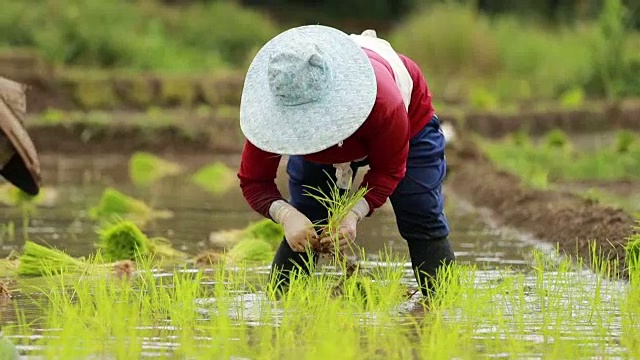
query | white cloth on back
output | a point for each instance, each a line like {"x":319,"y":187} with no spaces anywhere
{"x":369,"y":40}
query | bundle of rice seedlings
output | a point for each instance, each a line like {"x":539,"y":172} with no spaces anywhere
{"x":251,"y":250}
{"x":9,"y":265}
{"x":122,"y":239}
{"x":114,"y":203}
{"x":226,"y":238}
{"x":632,"y":252}
{"x":146,"y":168}
{"x":265,"y":229}
{"x":38,"y":260}
{"x":338,"y":203}
{"x":13,"y":196}
{"x":215,"y":178}
{"x":209,"y":258}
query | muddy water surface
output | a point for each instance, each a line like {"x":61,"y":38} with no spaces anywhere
{"x":78,"y":183}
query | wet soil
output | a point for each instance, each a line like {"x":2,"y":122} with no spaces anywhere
{"x":561,"y":217}
{"x":622,"y":188}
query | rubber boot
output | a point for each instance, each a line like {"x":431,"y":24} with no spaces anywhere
{"x":427,"y":259}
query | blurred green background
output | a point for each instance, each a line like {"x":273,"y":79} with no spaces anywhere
{"x":487,"y":53}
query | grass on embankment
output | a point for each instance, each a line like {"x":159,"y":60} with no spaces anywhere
{"x":490,"y":61}
{"x":198,"y":37}
{"x":504,"y":59}
{"x":554,"y":159}
{"x":552,"y":312}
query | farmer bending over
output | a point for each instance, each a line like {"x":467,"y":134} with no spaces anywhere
{"x":334,"y":103}
{"x":18,"y":157}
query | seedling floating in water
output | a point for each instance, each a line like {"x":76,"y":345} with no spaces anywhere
{"x":215,"y":178}
{"x":115,"y":204}
{"x":123,"y":240}
{"x":13,"y":196}
{"x":265,"y":229}
{"x":146,"y":168}
{"x":255,"y":243}
{"x":251,"y":250}
{"x":38,"y":260}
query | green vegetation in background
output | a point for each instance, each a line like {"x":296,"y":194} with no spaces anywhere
{"x":467,"y":55}
{"x":137,"y":35}
{"x":507,"y":58}
{"x":554,"y":158}
{"x":630,"y":204}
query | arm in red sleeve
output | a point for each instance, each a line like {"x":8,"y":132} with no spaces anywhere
{"x":257,"y":174}
{"x":387,"y":141}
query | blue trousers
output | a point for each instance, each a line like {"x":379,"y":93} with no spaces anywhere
{"x":418,"y":203}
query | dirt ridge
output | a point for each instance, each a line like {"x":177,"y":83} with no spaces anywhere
{"x":557,"y":217}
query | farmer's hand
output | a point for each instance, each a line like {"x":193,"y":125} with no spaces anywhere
{"x":346,"y":233}
{"x":347,"y":230}
{"x":298,"y":229}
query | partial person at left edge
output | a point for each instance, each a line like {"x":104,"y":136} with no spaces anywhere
{"x":18,"y":156}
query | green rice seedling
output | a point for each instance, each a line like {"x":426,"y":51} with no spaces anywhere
{"x":632,"y":250}
{"x":114,"y":203}
{"x":251,"y":250}
{"x":13,"y":196}
{"x":265,"y":229}
{"x":520,"y":138}
{"x":146,"y":168}
{"x":123,"y":240}
{"x":624,"y":141}
{"x":338,"y":203}
{"x":216,"y":178}
{"x":573,"y":98}
{"x":8,"y":350}
{"x":557,"y":139}
{"x":38,"y":260}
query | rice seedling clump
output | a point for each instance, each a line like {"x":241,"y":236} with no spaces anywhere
{"x":123,"y":240}
{"x":266,"y":230}
{"x":146,"y":168}
{"x":251,"y":250}
{"x":115,"y":203}
{"x":38,"y":260}
{"x":215,"y":178}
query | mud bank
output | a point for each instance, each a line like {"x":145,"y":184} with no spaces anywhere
{"x":180,"y":131}
{"x":593,"y":118}
{"x":559,"y":217}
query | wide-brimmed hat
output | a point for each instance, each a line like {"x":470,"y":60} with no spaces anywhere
{"x":22,"y":167}
{"x":306,"y":90}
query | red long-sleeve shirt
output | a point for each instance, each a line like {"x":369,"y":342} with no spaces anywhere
{"x":383,"y":139}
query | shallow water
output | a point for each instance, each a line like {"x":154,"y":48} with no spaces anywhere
{"x":78,"y":184}
{"x":79,"y":181}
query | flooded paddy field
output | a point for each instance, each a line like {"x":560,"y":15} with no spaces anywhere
{"x":511,"y":298}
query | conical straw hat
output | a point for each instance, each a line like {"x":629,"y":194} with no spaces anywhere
{"x":20,"y":163}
